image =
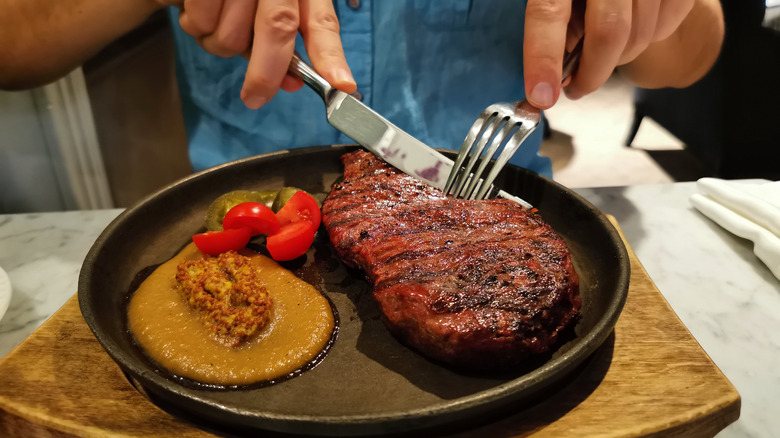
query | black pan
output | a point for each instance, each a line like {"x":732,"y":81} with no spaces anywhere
{"x":368,"y":383}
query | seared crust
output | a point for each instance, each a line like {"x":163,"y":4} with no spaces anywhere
{"x":480,"y":284}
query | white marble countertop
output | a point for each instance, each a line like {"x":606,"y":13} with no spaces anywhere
{"x":726,"y":297}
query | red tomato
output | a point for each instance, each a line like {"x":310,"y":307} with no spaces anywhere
{"x":254,"y":215}
{"x":292,"y":240}
{"x":215,"y":242}
{"x":301,"y":206}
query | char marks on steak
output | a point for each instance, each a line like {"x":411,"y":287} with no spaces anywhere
{"x":476,"y":284}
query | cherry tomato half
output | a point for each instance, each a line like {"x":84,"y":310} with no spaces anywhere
{"x":301,"y":206}
{"x":292,"y":241}
{"x":253,"y":215}
{"x":216,"y":242}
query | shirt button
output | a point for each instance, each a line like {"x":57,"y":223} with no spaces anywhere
{"x":353,"y":4}
{"x":358,"y":95}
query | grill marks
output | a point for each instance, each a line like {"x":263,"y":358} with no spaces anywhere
{"x":453,"y":277}
{"x":396,"y":236}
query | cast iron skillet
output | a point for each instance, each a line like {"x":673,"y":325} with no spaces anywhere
{"x":368,"y":383}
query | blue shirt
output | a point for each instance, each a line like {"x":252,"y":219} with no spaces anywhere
{"x":430,"y":67}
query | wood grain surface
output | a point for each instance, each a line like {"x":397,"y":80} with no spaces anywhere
{"x":650,"y":378}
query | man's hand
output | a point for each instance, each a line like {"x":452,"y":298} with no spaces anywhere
{"x":43,"y":40}
{"x":686,"y":33}
{"x":264,"y":31}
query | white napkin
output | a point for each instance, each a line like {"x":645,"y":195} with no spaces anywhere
{"x":751,"y":211}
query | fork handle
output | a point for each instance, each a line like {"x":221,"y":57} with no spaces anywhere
{"x":301,"y":70}
{"x":572,"y":60}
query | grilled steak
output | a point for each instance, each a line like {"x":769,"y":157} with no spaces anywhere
{"x":476,"y":284}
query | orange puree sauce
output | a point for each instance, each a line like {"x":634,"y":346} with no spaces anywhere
{"x":171,"y":333}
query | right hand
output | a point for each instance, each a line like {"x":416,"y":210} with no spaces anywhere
{"x":264,"y":32}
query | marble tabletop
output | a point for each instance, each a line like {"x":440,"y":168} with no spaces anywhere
{"x":726,"y":297}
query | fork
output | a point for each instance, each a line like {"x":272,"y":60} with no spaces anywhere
{"x":516,"y":122}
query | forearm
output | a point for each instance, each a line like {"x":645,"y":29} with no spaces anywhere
{"x":42,"y":40}
{"x":684,"y":57}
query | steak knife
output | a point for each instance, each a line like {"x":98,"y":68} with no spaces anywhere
{"x":372,"y":131}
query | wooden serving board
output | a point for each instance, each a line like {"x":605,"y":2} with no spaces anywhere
{"x":649,"y":378}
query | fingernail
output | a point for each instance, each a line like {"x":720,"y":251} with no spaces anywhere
{"x":255,"y":102}
{"x":344,"y":75}
{"x":542,"y":94}
{"x":571,"y":96}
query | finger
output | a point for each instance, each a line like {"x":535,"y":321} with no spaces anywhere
{"x":200,"y":17}
{"x":644,"y":17}
{"x":291,"y":84}
{"x":320,"y":30}
{"x":607,"y":28}
{"x":276,"y":25}
{"x":544,"y":43}
{"x":234,"y":31}
{"x":670,"y":16}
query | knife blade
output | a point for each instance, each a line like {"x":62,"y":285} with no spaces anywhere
{"x":377,"y":134}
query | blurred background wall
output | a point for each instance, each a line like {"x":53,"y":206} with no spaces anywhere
{"x":107,"y":135}
{"x":28,"y":177}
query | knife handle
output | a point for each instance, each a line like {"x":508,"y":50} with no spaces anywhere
{"x":300,"y":69}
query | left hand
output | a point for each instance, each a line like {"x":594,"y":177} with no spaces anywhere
{"x":616,"y":32}
{"x":221,"y":27}
{"x":264,"y":32}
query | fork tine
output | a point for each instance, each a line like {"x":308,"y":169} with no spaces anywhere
{"x":521,"y":116}
{"x":475,"y":155}
{"x":476,"y":130}
{"x":463,"y":173}
{"x":499,"y":138}
{"x":523,"y":131}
